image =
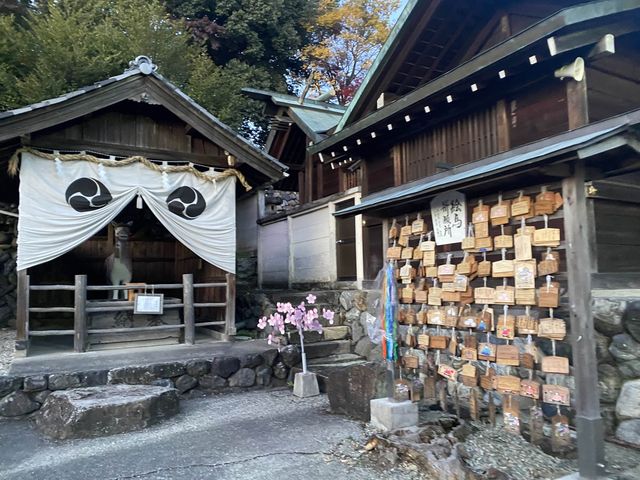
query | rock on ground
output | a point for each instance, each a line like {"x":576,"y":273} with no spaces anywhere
{"x":106,"y":410}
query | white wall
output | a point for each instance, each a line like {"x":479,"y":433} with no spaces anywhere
{"x":273,"y":254}
{"x":312,"y":241}
{"x":246,"y":226}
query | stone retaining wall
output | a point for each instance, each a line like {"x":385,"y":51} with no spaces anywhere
{"x":8,"y":254}
{"x":24,"y":395}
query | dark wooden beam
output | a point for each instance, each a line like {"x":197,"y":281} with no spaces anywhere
{"x":579,"y":268}
{"x":581,"y":38}
{"x":577,"y":104}
{"x":22,"y":315}
{"x":121,"y":150}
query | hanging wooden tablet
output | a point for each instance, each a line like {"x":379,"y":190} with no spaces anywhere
{"x":522,"y":245}
{"x":546,"y":237}
{"x":484,"y":295}
{"x":553,"y":328}
{"x":511,"y":416}
{"x":417,"y":390}
{"x":536,"y":425}
{"x":505,"y":295}
{"x":508,"y":355}
{"x":525,"y":296}
{"x":431,"y":271}
{"x":554,"y":364}
{"x":503,"y":268}
{"x":406,"y":269}
{"x":480,"y":213}
{"x":487,"y":351}
{"x":428,"y":245}
{"x":469,"y":354}
{"x":549,"y":264}
{"x":560,"y":433}
{"x":502,"y":240}
{"x":527,"y":361}
{"x":411,"y":316}
{"x":525,"y":274}
{"x":446,"y":271}
{"x":530,"y":389}
{"x":453,"y":344}
{"x":407,"y":253}
{"x":500,"y":213}
{"x":468,"y":319}
{"x":461,"y":283}
{"x":466,"y":297}
{"x":451,"y":314}
{"x":486,"y":380}
{"x":471,"y":341}
{"x":429,"y":260}
{"x":451,"y":296}
{"x":406,"y":295}
{"x":417,"y":254}
{"x":434,"y":297}
{"x":401,"y":388}
{"x":474,"y":410}
{"x":484,"y":244}
{"x":405,"y":231}
{"x":438,"y":342}
{"x":448,"y":372}
{"x":506,"y":327}
{"x":394,"y":253}
{"x":481,"y":229}
{"x":421,"y":296}
{"x":403,"y":240}
{"x":418,"y":226}
{"x":468,"y":243}
{"x":545,"y":202}
{"x":508,"y":384}
{"x":556,"y":395}
{"x":521,"y":206}
{"x":394,"y":231}
{"x":549,"y":294}
{"x":485,"y":320}
{"x":410,"y":361}
{"x":423,"y":341}
{"x":468,"y":265}
{"x":484,"y":269}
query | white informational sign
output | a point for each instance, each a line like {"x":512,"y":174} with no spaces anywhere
{"x":150,"y":304}
{"x":449,"y":217}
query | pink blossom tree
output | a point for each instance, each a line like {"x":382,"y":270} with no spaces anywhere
{"x":299,"y":317}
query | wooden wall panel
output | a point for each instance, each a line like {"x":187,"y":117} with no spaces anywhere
{"x":379,"y":173}
{"x":617,"y":236}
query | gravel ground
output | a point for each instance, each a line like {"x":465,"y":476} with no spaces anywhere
{"x":7,"y":341}
{"x":257,"y":435}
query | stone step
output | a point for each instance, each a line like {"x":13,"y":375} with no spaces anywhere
{"x":327,"y":348}
{"x":336,"y":332}
{"x":323,"y":367}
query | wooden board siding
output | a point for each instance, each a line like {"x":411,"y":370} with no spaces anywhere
{"x":330,"y":180}
{"x":538,"y":112}
{"x":617,"y":236}
{"x":312,"y":252}
{"x":273,"y":254}
{"x":460,"y":141}
{"x":379,"y":172}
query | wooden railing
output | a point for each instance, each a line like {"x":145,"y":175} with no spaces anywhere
{"x":82,"y":308}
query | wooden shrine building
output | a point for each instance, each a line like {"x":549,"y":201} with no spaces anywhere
{"x":126,"y":189}
{"x":532,"y":107}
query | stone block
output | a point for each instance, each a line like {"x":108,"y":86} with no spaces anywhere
{"x":35,"y":383}
{"x":632,"y":319}
{"x":270,"y":356}
{"x":629,"y":431}
{"x":306,"y":385}
{"x":168,"y":370}
{"x":363,"y":347}
{"x":263,"y":376}
{"x":212,"y":382}
{"x":184,"y":383}
{"x":624,"y":348}
{"x":609,"y":383}
{"x":163,"y":382}
{"x":390,"y":415}
{"x":40,"y":397}
{"x":94,"y":378}
{"x":351,"y":389}
{"x":198,"y":368}
{"x":290,"y":355}
{"x":225,"y":366}
{"x":245,"y":377}
{"x":135,"y":375}
{"x":9,"y":384}
{"x":251,"y":360}
{"x":281,"y":371}
{"x":607,"y":315}
{"x":64,"y":381}
{"x":336,"y":333}
{"x":628,"y":405}
{"x":16,"y":404}
{"x":105,"y":410}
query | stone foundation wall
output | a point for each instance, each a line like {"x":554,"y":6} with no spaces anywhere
{"x":8,"y":254}
{"x":617,"y":323}
{"x":24,"y":395}
{"x":278,"y":201}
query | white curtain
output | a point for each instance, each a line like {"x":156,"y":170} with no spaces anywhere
{"x":63,"y":204}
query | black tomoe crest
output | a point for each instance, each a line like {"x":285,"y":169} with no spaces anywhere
{"x":86,"y":194}
{"x":186,"y":202}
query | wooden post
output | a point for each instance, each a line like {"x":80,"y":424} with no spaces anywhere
{"x":22,"y":315}
{"x":503,"y":127}
{"x":585,"y":364}
{"x":230,"y":317}
{"x":80,"y":314}
{"x":577,"y":104}
{"x":189,"y":310}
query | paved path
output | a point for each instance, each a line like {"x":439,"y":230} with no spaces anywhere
{"x":255,"y":435}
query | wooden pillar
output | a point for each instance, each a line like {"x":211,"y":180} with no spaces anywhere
{"x":587,"y":402}
{"x":577,"y":105}
{"x":80,"y":315}
{"x":308,"y":178}
{"x":230,"y":316}
{"x":320,"y":179}
{"x":189,"y":313}
{"x":22,"y":315}
{"x":398,"y":166}
{"x":503,"y":126}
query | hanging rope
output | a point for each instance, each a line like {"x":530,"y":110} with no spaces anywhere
{"x":14,"y":165}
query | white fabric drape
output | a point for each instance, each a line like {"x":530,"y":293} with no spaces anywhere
{"x":50,"y":226}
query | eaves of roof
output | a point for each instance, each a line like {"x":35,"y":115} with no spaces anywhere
{"x":528,"y":37}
